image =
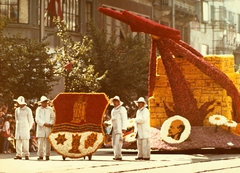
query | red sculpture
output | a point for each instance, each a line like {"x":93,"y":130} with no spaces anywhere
{"x":167,"y":41}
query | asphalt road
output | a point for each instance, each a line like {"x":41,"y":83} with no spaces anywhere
{"x":102,"y":162}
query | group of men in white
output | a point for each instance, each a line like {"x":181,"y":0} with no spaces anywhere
{"x":24,"y":123}
{"x":119,"y":126}
{"x":45,"y":120}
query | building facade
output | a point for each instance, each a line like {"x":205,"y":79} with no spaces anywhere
{"x":33,"y":18}
{"x":210,"y":26}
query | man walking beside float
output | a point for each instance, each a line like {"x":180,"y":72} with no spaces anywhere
{"x":24,"y":123}
{"x":45,"y":120}
{"x":119,"y":126}
{"x":142,"y":121}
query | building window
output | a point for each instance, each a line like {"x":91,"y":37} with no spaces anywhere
{"x":9,"y":9}
{"x":205,"y":11}
{"x":88,"y":12}
{"x":70,"y":12}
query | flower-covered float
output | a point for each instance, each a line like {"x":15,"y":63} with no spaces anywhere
{"x":183,"y":82}
{"x":77,"y":131}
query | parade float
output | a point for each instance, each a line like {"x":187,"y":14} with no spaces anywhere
{"x":77,"y":131}
{"x":194,"y":96}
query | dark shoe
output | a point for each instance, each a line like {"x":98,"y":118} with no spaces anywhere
{"x":139,"y":158}
{"x":47,"y":157}
{"x":26,"y":158}
{"x":117,"y":158}
{"x":40,"y":158}
{"x":146,"y":158}
{"x":18,"y":157}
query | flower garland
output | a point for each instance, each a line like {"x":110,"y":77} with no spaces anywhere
{"x":176,"y":126}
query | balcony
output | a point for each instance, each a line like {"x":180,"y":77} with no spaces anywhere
{"x":184,"y":10}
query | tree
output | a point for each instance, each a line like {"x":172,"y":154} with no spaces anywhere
{"x":25,"y":65}
{"x":74,"y":62}
{"x":126,"y":63}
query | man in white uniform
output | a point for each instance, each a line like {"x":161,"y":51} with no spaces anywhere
{"x":45,"y":120}
{"x":119,"y":126}
{"x":24,"y":123}
{"x":143,"y":130}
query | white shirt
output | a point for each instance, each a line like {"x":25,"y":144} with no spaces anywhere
{"x":44,"y":115}
{"x":119,"y":119}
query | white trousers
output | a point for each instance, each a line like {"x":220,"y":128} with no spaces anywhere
{"x":22,"y":147}
{"x":143,"y":146}
{"x":117,"y":145}
{"x":44,"y":147}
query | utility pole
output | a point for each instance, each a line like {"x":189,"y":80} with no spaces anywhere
{"x":42,"y":27}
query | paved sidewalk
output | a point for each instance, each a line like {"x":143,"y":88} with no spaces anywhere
{"x":102,"y":162}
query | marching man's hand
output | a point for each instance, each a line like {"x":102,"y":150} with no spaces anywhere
{"x":47,"y":125}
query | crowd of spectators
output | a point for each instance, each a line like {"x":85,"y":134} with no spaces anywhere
{"x":7,"y":129}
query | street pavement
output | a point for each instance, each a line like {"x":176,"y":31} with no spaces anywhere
{"x":102,"y":162}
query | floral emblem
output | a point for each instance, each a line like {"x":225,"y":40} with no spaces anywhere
{"x":175,"y":129}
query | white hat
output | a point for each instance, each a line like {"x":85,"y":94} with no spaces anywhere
{"x":43,"y":98}
{"x":20,"y":100}
{"x":115,"y":98}
{"x":140,"y":100}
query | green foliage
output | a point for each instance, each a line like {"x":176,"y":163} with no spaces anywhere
{"x":82,"y":76}
{"x":25,"y":67}
{"x":126,"y":63}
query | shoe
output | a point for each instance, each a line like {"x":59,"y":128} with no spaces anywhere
{"x":139,"y":158}
{"x":40,"y":158}
{"x":117,"y":158}
{"x":18,"y":157}
{"x":4,"y":152}
{"x":26,"y":158}
{"x":146,"y":158}
{"x":9,"y":152}
{"x":47,"y":157}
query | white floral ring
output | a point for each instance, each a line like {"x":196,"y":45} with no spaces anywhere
{"x":175,"y":129}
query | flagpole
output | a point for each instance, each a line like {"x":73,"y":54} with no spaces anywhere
{"x":42,"y":27}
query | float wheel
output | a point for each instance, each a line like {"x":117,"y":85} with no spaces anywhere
{"x":90,"y":157}
{"x":64,"y":158}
